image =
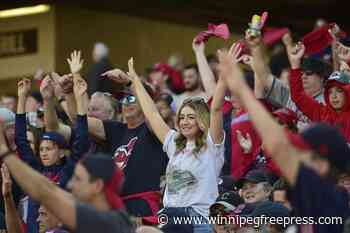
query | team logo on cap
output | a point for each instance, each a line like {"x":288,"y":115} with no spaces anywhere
{"x":122,"y":153}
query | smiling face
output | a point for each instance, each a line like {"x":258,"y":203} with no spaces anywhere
{"x":254,"y":192}
{"x":188,"y":124}
{"x":337,"y":98}
{"x":131,"y":110}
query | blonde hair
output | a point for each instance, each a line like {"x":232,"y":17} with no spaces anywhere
{"x":201,"y":109}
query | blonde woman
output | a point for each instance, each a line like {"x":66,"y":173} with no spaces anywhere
{"x":195,"y":151}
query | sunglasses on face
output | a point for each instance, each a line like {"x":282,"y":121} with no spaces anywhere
{"x":308,"y":72}
{"x":130,"y":99}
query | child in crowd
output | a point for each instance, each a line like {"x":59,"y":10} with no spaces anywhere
{"x":337,"y":93}
{"x":51,"y":161}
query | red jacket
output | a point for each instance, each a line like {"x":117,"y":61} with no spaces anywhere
{"x":241,"y":162}
{"x":318,"y":112}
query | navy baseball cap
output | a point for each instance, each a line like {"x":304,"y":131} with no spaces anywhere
{"x":254,"y":176}
{"x":226,"y":184}
{"x":270,"y":209}
{"x":329,"y":143}
{"x":55,"y":137}
{"x":229,"y":200}
{"x":99,"y":165}
{"x":316,"y":66}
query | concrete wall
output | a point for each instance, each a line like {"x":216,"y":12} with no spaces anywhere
{"x":66,"y":28}
{"x":22,"y":65}
{"x":148,"y":41}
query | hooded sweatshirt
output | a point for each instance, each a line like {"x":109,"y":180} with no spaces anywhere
{"x":58,"y":173}
{"x":321,"y":113}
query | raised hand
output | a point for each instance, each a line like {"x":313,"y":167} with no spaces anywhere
{"x":229,"y":68}
{"x":235,"y":52}
{"x":245,"y":142}
{"x":57,"y":87}
{"x":343,"y":52}
{"x":118,"y":76}
{"x":287,"y":40}
{"x":65,"y":82}
{"x":23,"y":87}
{"x":3,"y":142}
{"x":80,"y":87}
{"x":47,"y":88}
{"x":247,"y":60}
{"x":132,"y":75}
{"x":75,"y":62}
{"x":6,"y":181}
{"x":344,"y":67}
{"x":252,"y":41}
{"x":295,"y":54}
{"x":198,"y":48}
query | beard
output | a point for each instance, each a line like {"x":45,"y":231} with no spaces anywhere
{"x":192,"y":87}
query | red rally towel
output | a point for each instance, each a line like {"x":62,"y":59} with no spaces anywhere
{"x":220,"y":31}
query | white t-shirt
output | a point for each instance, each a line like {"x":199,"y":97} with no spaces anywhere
{"x":192,"y":181}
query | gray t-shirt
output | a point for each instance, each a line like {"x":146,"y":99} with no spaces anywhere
{"x":90,"y":220}
{"x":279,"y":94}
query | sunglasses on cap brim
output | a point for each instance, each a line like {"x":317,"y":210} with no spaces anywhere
{"x":308,"y":72}
{"x":195,"y":100}
{"x":130,"y":99}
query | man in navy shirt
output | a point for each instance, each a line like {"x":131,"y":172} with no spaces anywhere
{"x":135,"y":149}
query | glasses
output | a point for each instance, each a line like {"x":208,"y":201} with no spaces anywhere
{"x":130,"y":99}
{"x":107,"y":94}
{"x":308,"y":72}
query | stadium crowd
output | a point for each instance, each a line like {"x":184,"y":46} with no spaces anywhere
{"x":261,"y":128}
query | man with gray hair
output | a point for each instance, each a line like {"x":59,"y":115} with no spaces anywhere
{"x":101,"y":64}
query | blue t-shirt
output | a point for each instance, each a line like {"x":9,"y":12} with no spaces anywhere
{"x":316,"y":197}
